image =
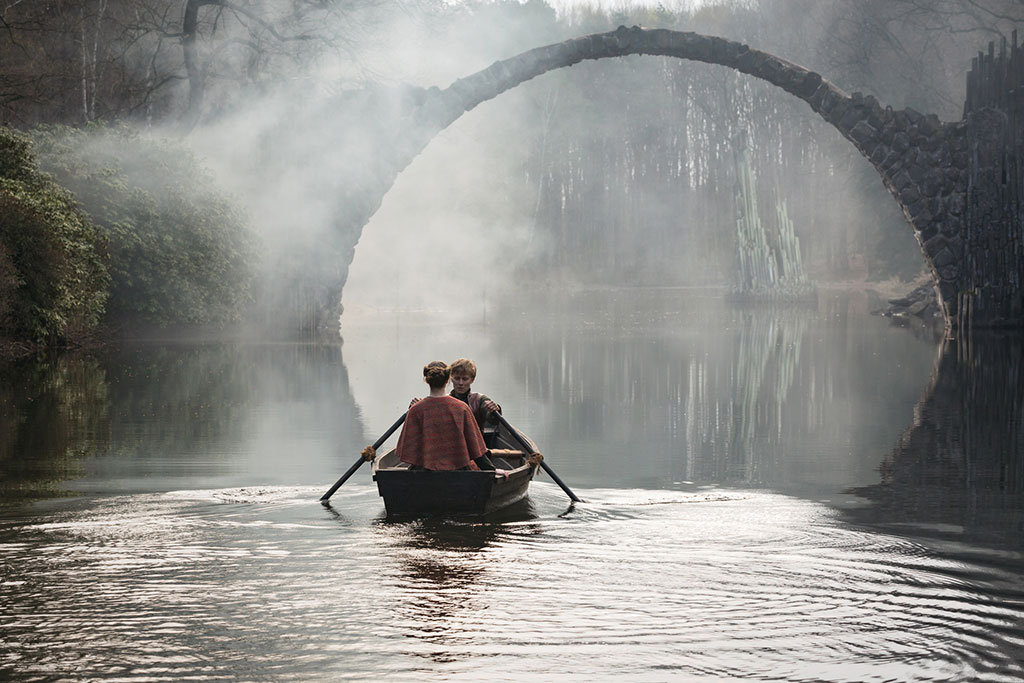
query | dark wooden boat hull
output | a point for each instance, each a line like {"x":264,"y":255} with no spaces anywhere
{"x":428,"y":493}
{"x":417,"y":493}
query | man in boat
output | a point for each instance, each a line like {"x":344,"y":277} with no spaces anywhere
{"x":484,"y":409}
{"x":441,"y":432}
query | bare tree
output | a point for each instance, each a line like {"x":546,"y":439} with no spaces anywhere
{"x":76,"y":61}
{"x":913,"y":52}
{"x":242,"y":39}
{"x":72,"y":62}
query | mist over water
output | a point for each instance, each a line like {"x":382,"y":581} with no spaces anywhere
{"x":719,"y":451}
{"x":612,"y":172}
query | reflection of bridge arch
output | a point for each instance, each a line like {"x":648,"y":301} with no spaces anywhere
{"x":960,"y":463}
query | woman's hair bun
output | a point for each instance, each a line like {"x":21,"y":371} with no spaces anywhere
{"x":436,"y":373}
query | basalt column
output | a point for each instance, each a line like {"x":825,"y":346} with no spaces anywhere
{"x":990,"y":292}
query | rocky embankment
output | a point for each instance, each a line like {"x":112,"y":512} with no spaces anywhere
{"x":920,"y":307}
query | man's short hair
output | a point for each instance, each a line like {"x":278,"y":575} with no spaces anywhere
{"x":463,"y":366}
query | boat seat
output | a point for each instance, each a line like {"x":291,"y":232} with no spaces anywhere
{"x":507,"y":453}
{"x":504,"y":458}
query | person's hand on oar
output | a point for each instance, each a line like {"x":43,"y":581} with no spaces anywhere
{"x":368,"y":451}
{"x":529,"y":449}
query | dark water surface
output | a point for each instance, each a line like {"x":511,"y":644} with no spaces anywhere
{"x":798,"y":495}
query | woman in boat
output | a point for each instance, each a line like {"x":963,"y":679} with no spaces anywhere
{"x":440,"y":432}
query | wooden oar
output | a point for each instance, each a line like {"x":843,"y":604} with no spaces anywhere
{"x":358,"y":463}
{"x":529,"y":449}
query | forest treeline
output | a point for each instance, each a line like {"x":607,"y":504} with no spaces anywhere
{"x":622,"y":171}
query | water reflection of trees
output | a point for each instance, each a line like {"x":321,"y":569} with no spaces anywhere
{"x":52,"y":412}
{"x":739,"y":395}
{"x":166,"y":409}
{"x":959,"y":467}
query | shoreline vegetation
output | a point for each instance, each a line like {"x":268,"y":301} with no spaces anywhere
{"x":104,"y":229}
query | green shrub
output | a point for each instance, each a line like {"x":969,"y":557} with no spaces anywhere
{"x":180,"y":252}
{"x":8,"y":282}
{"x":53,"y":281}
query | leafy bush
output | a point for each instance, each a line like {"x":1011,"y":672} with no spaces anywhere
{"x":180,"y":252}
{"x":8,"y":281}
{"x":53,"y":281}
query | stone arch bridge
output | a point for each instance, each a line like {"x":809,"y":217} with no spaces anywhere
{"x":953,"y":180}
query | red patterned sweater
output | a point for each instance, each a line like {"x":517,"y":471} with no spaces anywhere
{"x":440,"y":433}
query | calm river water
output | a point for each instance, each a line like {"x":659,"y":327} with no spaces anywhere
{"x":807,"y":494}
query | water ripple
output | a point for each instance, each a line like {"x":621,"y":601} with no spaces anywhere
{"x":265,"y":584}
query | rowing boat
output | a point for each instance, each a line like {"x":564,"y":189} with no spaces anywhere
{"x":416,"y":493}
